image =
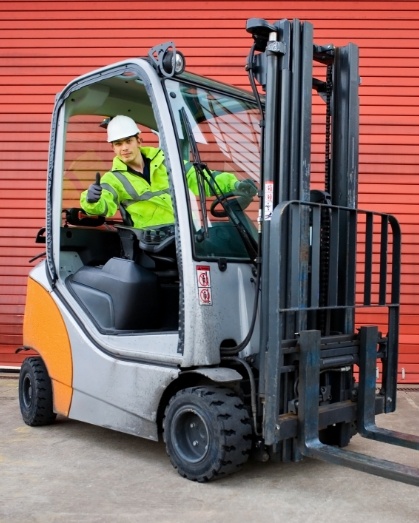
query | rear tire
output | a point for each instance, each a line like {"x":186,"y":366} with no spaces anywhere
{"x":35,"y":393}
{"x":208,"y":432}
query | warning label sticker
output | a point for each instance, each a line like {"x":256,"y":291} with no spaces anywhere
{"x":269,"y":200}
{"x":204,"y":284}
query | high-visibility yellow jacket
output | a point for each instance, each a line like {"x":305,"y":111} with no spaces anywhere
{"x":149,"y":204}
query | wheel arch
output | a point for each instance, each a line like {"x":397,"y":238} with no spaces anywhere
{"x":27,"y":348}
{"x":196,"y":377}
{"x":45,"y":332}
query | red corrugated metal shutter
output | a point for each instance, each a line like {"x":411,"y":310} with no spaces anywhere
{"x":45,"y":44}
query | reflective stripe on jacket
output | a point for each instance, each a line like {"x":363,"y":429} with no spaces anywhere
{"x":149,"y":204}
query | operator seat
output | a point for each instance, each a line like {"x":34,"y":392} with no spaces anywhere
{"x":120,"y":295}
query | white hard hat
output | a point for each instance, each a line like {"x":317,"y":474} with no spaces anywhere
{"x":121,"y":127}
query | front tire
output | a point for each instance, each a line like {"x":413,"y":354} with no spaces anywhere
{"x":208,"y":432}
{"x":35,"y":393}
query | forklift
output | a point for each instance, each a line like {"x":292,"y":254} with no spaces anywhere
{"x":247,"y":327}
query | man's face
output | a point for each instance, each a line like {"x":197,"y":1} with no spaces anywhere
{"x":127,"y":149}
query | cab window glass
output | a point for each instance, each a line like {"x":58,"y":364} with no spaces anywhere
{"x":87,"y":152}
{"x":225,"y":134}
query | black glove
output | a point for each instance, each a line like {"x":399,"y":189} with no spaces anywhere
{"x":245,"y":188}
{"x":94,"y":191}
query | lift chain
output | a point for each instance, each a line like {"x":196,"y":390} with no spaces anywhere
{"x":329,"y":86}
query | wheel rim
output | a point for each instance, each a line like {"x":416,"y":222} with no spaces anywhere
{"x":190,"y":435}
{"x":27,"y":392}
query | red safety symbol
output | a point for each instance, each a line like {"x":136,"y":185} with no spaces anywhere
{"x":205,"y":296}
{"x":203,"y":280}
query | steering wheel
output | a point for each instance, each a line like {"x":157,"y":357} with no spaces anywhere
{"x":237,"y":203}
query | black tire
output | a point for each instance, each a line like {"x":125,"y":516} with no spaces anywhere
{"x":208,"y":432}
{"x":35,"y":393}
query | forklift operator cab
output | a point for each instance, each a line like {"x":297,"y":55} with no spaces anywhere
{"x":127,"y":284}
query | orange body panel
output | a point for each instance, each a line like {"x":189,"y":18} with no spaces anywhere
{"x":52,"y":344}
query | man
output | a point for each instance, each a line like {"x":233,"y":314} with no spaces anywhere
{"x":139,"y":181}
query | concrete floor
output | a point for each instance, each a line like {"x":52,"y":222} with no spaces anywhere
{"x":74,"y":472}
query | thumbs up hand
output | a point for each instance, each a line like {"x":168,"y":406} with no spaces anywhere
{"x":94,"y":191}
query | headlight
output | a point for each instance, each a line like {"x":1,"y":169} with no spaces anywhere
{"x":166,"y":60}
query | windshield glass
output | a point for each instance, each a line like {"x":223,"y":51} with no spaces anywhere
{"x":221,"y":133}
